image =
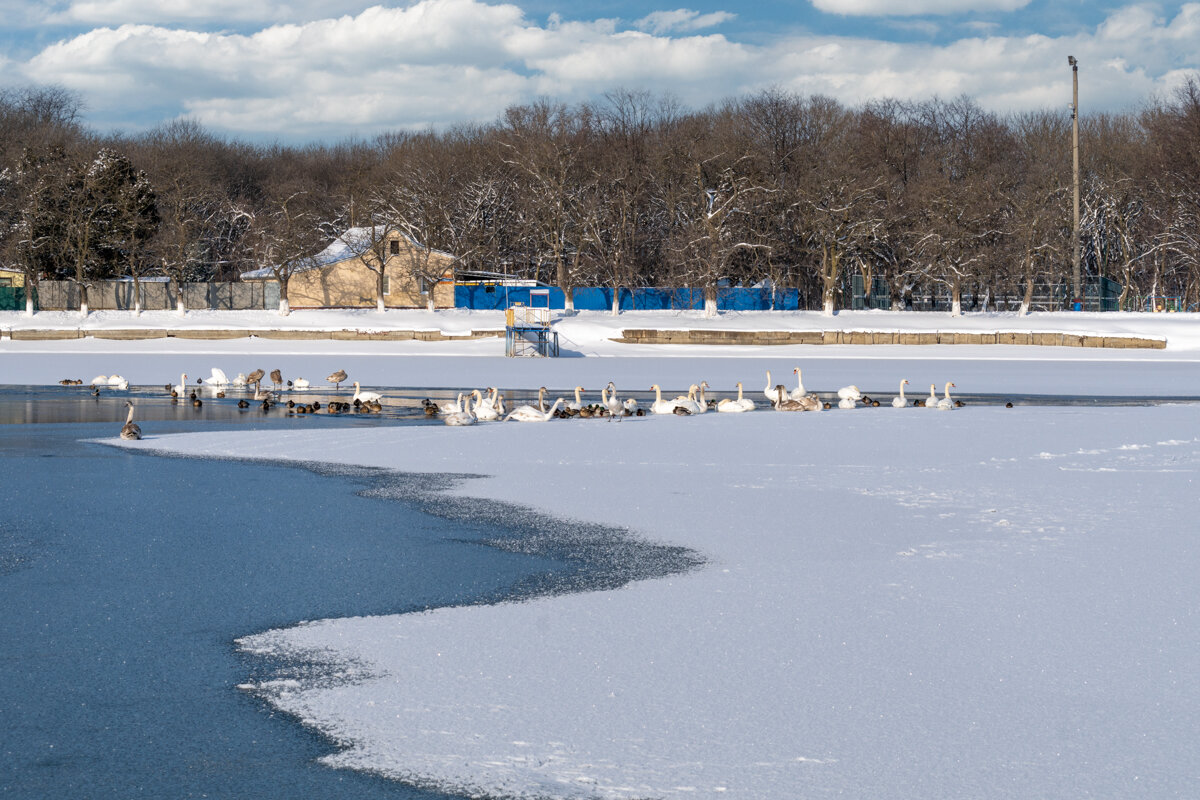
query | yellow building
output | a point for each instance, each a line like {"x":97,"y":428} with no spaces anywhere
{"x":340,"y":276}
{"x":11,"y":277}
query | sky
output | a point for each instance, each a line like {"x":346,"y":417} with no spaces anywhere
{"x":296,"y":71}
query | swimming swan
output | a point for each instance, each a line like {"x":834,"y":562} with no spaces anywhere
{"x":130,"y":430}
{"x":946,"y":404}
{"x":900,"y":402}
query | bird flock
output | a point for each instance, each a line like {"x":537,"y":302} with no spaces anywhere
{"x":488,"y":405}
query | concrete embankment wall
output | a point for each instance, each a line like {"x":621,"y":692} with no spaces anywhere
{"x":712,"y":337}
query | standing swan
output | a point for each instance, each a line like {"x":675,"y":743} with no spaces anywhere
{"x":336,"y":379}
{"x":900,"y":402}
{"x":798,"y":393}
{"x":946,"y":404}
{"x":130,"y":430}
{"x":182,"y":388}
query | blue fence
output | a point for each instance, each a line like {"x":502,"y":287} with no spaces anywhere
{"x":490,"y":297}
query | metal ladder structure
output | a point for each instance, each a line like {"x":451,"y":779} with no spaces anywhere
{"x":527,"y":329}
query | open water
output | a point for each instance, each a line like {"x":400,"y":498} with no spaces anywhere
{"x":125,"y":579}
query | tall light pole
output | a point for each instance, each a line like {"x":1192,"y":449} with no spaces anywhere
{"x":1075,"y":175}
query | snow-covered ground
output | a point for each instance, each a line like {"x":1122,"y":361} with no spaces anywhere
{"x":894,"y":603}
{"x":981,"y":603}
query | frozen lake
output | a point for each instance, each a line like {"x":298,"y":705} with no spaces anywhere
{"x":126,"y":577}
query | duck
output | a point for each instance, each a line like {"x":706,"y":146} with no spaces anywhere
{"x":130,"y":430}
{"x":900,"y":402}
{"x":531,"y":414}
{"x":946,"y":403}
{"x":336,"y":378}
{"x":365,"y":396}
{"x":243,"y":403}
{"x":430,"y":407}
{"x":741,"y":404}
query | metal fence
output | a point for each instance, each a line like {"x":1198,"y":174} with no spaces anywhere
{"x":159,"y":295}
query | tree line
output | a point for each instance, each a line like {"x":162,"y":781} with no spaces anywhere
{"x":773,"y":188}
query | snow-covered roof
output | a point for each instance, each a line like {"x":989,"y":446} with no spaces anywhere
{"x":350,"y":244}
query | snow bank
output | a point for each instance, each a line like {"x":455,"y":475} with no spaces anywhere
{"x":981,"y":603}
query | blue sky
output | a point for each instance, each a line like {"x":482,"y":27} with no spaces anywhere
{"x":301,"y":70}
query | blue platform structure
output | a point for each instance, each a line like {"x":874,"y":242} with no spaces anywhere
{"x":527,"y":328}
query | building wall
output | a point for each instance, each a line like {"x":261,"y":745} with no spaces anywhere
{"x":350,"y":283}
{"x":12,"y":277}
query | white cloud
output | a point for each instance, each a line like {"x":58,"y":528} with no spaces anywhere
{"x":681,"y":19}
{"x":443,"y":61}
{"x":902,"y":8}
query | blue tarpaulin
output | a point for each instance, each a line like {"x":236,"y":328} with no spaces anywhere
{"x":496,"y":297}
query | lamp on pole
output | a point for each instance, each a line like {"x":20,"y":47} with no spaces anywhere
{"x":1075,"y":278}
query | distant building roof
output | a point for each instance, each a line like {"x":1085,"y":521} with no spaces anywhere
{"x":350,"y":244}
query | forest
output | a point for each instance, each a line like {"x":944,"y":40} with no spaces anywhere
{"x":936,"y":199}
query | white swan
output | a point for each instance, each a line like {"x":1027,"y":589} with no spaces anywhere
{"x":932,"y":400}
{"x":900,"y":402}
{"x":769,"y":390}
{"x":465,"y":416}
{"x":99,"y":380}
{"x":660,"y":406}
{"x":300,"y":384}
{"x":118,"y":382}
{"x":217,"y":379}
{"x":182,"y":388}
{"x":578,"y":404}
{"x":798,"y":392}
{"x":365,"y":397}
{"x":731,"y":406}
{"x":527,"y":410}
{"x":531,"y":414}
{"x":850,"y":393}
{"x":240,"y":380}
{"x":130,"y":430}
{"x":701,"y":402}
{"x":608,"y":397}
{"x":946,"y":404}
{"x":688,"y":402}
{"x":486,"y":409}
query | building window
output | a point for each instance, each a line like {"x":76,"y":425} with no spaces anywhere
{"x":394,"y":247}
{"x":424,"y":286}
{"x":387,"y":284}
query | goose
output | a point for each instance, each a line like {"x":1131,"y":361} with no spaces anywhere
{"x":531,"y":414}
{"x":578,"y":404}
{"x":130,"y":430}
{"x":615,"y":407}
{"x":276,"y":379}
{"x":932,"y":400}
{"x":365,"y":397}
{"x":946,"y":403}
{"x":900,"y":402}
{"x":99,"y":380}
{"x":118,"y":382}
{"x":731,"y":406}
{"x":660,"y":406}
{"x":336,"y":379}
{"x":217,"y":379}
